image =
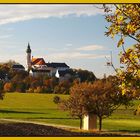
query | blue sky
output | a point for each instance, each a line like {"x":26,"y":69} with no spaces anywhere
{"x":59,"y":33}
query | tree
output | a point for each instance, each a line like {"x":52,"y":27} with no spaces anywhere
{"x":85,"y":75}
{"x":1,"y":85}
{"x":10,"y":63}
{"x":4,"y":70}
{"x":1,"y":94}
{"x":8,"y":87}
{"x":106,"y":98}
{"x":38,"y":89}
{"x":56,"y":99}
{"x":100,"y":98}
{"x":62,"y":87}
{"x":18,"y":76}
{"x":125,"y":22}
{"x":74,"y":106}
{"x":21,"y":87}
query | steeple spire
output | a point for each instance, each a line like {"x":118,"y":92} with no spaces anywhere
{"x":28,"y":48}
{"x":28,"y":51}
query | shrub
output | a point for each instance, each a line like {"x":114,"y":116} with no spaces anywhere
{"x":1,"y":85}
{"x":1,"y":95}
{"x":38,"y":90}
{"x":21,"y":87}
{"x":56,"y":99}
{"x":30,"y":90}
{"x":137,"y":111}
{"x":8,"y":87}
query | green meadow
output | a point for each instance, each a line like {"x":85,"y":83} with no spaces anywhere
{"x":40,"y":108}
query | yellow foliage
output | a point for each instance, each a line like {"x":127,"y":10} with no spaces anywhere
{"x":125,"y":22}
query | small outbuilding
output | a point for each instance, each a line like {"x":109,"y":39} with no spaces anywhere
{"x":90,"y":122}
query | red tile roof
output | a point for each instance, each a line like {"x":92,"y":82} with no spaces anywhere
{"x":38,"y":61}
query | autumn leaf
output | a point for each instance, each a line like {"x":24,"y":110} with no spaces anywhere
{"x":121,"y":42}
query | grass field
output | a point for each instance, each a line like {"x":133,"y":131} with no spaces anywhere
{"x":40,"y":108}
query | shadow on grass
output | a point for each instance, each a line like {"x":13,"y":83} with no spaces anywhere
{"x":13,"y":111}
{"x":53,"y":118}
{"x":36,"y":118}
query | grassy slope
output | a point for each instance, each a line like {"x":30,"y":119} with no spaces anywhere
{"x":40,"y":107}
{"x":20,"y":105}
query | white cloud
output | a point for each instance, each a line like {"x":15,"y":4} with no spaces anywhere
{"x":91,"y":48}
{"x":68,"y":44}
{"x":76,"y":53}
{"x":5,"y":36}
{"x":6,"y":33}
{"x":72,"y":55}
{"x":15,"y":13}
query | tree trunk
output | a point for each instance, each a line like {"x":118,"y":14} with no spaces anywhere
{"x":100,"y":123}
{"x":81,"y":123}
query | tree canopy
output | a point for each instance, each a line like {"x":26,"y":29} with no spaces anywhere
{"x":101,"y":98}
{"x":125,"y":22}
{"x":85,"y":75}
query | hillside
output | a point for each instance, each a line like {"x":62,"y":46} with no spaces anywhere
{"x":40,"y":108}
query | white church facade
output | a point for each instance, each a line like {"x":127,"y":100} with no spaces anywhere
{"x":38,"y":66}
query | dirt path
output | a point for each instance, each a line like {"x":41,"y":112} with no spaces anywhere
{"x":40,"y":123}
{"x":13,"y":127}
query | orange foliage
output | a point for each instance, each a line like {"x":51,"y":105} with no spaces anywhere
{"x":8,"y":87}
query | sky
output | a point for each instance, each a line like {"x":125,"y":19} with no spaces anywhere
{"x":73,"y":34}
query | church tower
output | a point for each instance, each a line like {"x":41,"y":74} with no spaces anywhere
{"x":28,"y":51}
